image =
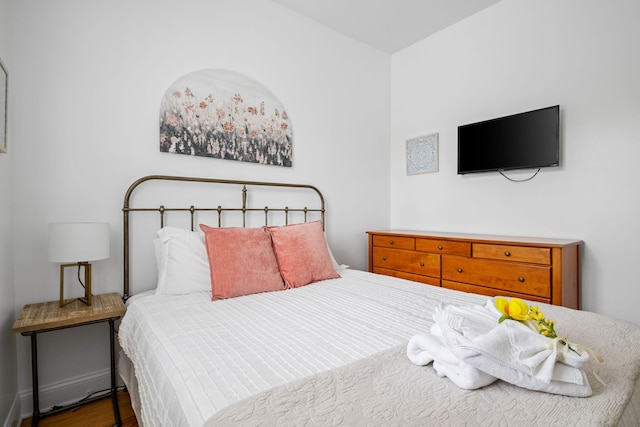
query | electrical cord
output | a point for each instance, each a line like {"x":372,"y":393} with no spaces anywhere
{"x":520,"y":180}
{"x":93,"y":395}
{"x":79,"y":279}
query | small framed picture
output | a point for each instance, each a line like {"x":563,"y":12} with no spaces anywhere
{"x":422,"y":154}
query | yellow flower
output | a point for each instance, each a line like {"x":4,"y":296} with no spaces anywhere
{"x":536,"y":314}
{"x":514,"y":309}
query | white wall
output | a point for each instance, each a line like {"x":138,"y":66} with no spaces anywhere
{"x":516,"y":56}
{"x":88,"y":79}
{"x":8,"y":363}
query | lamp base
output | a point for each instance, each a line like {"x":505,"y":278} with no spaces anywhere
{"x":87,"y":284}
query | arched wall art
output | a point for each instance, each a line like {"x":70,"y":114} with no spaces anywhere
{"x":225,"y":115}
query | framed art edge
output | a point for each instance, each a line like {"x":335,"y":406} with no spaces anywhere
{"x":4,"y":104}
{"x":422,"y":154}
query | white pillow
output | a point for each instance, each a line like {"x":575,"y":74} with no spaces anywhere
{"x":336,"y":266}
{"x":183,"y":265}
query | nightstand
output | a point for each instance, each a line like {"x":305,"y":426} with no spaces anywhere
{"x":49,"y":316}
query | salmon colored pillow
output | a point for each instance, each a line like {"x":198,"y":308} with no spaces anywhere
{"x":302,"y":253}
{"x":242,"y":262}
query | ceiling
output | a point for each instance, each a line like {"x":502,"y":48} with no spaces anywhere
{"x":388,"y":25}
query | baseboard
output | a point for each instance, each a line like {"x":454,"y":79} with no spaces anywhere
{"x":64,"y":392}
{"x":13,"y":418}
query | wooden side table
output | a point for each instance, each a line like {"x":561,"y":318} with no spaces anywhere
{"x":49,"y":316}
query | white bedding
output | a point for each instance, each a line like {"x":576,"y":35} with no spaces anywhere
{"x":194,"y":357}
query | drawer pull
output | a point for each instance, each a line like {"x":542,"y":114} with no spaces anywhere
{"x":384,"y":258}
{"x":507,"y":253}
{"x":421,"y":263}
{"x":459,"y":270}
{"x":391,"y":242}
{"x":439,"y":247}
{"x":521,"y":279}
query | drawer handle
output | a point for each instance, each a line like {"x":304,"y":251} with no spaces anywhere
{"x":391,"y":242}
{"x":507,"y":253}
{"x":439,"y":247}
{"x":521,"y":279}
{"x":384,"y":258}
{"x":421,"y":263}
{"x":459,"y":270}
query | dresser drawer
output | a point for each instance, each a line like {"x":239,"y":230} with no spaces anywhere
{"x":507,"y":276}
{"x":448,"y":247}
{"x":429,"y":280}
{"x":408,"y":261}
{"x":512,"y":253}
{"x":491,"y":292}
{"x":394,"y":242}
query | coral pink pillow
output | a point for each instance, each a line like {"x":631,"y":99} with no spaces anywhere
{"x":242,"y":262}
{"x":302,"y":253}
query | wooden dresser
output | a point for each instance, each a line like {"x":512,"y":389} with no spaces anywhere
{"x":537,"y":269}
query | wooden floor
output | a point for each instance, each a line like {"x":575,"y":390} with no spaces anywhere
{"x":94,"y":414}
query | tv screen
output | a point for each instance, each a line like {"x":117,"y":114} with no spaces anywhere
{"x":520,"y":141}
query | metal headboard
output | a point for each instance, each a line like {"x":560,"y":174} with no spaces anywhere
{"x":243,"y":209}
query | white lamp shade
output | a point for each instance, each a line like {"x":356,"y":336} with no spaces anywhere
{"x":78,"y":241}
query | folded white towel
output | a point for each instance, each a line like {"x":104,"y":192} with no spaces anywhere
{"x":510,"y":350}
{"x":458,"y":325}
{"x":511,"y":343}
{"x":427,"y":348}
{"x":513,"y":376}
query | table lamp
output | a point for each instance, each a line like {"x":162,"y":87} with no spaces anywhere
{"x":74,"y":244}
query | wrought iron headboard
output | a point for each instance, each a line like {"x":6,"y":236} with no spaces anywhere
{"x":243,"y":209}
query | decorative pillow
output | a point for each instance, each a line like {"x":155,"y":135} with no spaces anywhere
{"x":302,"y":253}
{"x":242,"y":261}
{"x":183,"y":265}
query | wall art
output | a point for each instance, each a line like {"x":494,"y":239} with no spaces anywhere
{"x":422,"y":154}
{"x":225,"y":115}
{"x":4,"y":104}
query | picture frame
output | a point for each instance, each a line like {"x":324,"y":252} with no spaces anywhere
{"x":4,"y":87}
{"x":422,"y":154}
{"x":223,"y":114}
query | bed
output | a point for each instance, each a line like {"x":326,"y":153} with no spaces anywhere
{"x":329,"y":352}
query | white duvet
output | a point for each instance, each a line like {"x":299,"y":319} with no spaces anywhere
{"x":194,"y":357}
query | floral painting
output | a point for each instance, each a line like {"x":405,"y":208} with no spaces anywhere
{"x":225,"y":115}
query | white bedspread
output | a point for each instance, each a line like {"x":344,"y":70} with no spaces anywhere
{"x":194,"y":357}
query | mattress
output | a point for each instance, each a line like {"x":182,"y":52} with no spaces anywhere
{"x":193,"y":357}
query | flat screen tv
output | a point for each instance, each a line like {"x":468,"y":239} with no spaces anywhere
{"x":520,"y":141}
